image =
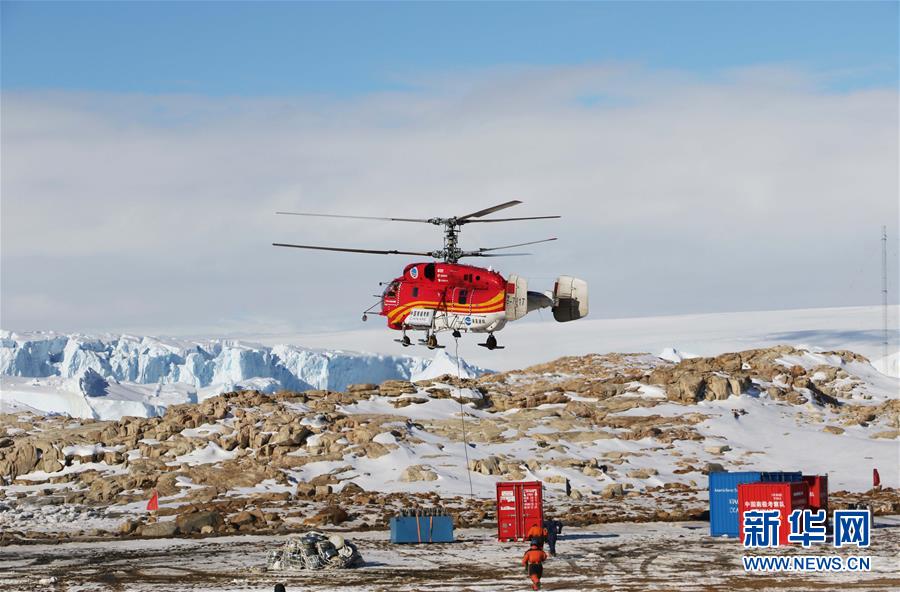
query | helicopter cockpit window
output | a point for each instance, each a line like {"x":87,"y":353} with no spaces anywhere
{"x":391,"y":290}
{"x":429,"y":271}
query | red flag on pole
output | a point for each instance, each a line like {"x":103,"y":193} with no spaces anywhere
{"x":876,"y":478}
{"x":153,"y":504}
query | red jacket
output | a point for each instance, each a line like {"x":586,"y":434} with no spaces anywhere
{"x":536,"y":531}
{"x":534,"y":556}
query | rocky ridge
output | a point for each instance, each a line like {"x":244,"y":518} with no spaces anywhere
{"x":247,"y":461}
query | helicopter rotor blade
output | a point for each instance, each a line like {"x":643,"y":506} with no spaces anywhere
{"x":514,"y":219}
{"x":487,"y":211}
{"x":355,"y":217}
{"x":343,"y":250}
{"x":480,"y":254}
{"x":546,"y":240}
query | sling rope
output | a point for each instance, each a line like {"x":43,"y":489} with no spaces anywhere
{"x":462,"y":417}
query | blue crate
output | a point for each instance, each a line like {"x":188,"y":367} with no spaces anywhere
{"x":421,"y":529}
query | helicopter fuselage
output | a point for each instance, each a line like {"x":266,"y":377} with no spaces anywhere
{"x":444,"y":295}
{"x":441,"y":296}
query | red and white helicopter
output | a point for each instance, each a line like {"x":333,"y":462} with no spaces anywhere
{"x":444,"y":295}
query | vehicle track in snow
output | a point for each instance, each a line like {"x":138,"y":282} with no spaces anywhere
{"x":621,"y":557}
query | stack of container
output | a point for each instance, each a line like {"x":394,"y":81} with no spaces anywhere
{"x":732,"y":493}
{"x":724,"y":515}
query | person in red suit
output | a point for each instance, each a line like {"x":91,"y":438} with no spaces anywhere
{"x":537,"y":534}
{"x":534,"y":564}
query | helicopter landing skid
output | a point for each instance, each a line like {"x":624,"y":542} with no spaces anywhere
{"x":431,"y":342}
{"x":432,"y":346}
{"x":492,"y":347}
{"x":491,"y":343}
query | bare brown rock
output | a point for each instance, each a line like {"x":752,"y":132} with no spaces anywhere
{"x":305,"y":490}
{"x":691,"y":388}
{"x":19,"y":461}
{"x":333,"y":515}
{"x":242,"y":518}
{"x":159,"y":529}
{"x":368,"y":387}
{"x":395,"y":388}
{"x":418,"y":473}
{"x":194,"y":521}
{"x":128,"y":526}
{"x":718,"y":386}
{"x":613,"y":490}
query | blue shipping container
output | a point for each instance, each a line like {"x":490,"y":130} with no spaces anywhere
{"x":723,"y":500}
{"x":781,"y":477}
{"x":723,"y":503}
{"x":422,"y":529}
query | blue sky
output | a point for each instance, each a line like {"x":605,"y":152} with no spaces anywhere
{"x":266,"y":49}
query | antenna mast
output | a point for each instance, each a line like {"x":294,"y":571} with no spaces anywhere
{"x":884,"y":296}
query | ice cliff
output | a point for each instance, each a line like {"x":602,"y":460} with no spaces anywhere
{"x":89,"y":360}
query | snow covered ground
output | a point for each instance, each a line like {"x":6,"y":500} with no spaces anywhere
{"x":623,"y":557}
{"x":763,"y":429}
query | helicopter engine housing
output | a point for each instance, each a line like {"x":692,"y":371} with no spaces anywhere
{"x":516,"y":297}
{"x":570,"y":298}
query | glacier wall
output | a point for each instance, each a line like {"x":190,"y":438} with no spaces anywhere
{"x":150,"y":360}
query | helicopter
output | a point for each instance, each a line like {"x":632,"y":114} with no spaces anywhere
{"x":445,"y":295}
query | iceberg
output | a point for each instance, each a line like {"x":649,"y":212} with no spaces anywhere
{"x":445,"y":363}
{"x":100,"y":370}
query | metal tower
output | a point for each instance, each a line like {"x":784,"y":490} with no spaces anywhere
{"x":884,"y":296}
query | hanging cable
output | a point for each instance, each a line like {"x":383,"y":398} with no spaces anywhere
{"x":462,"y":417}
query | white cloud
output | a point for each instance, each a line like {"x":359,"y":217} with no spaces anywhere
{"x":756,"y":189}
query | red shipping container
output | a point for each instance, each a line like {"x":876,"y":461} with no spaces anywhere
{"x":520,"y":505}
{"x":784,"y":497}
{"x":818,"y":492}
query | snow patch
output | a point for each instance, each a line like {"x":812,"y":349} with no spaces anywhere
{"x":889,"y":365}
{"x":385,"y":438}
{"x":210,"y":454}
{"x":443,"y":363}
{"x":673,"y":355}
